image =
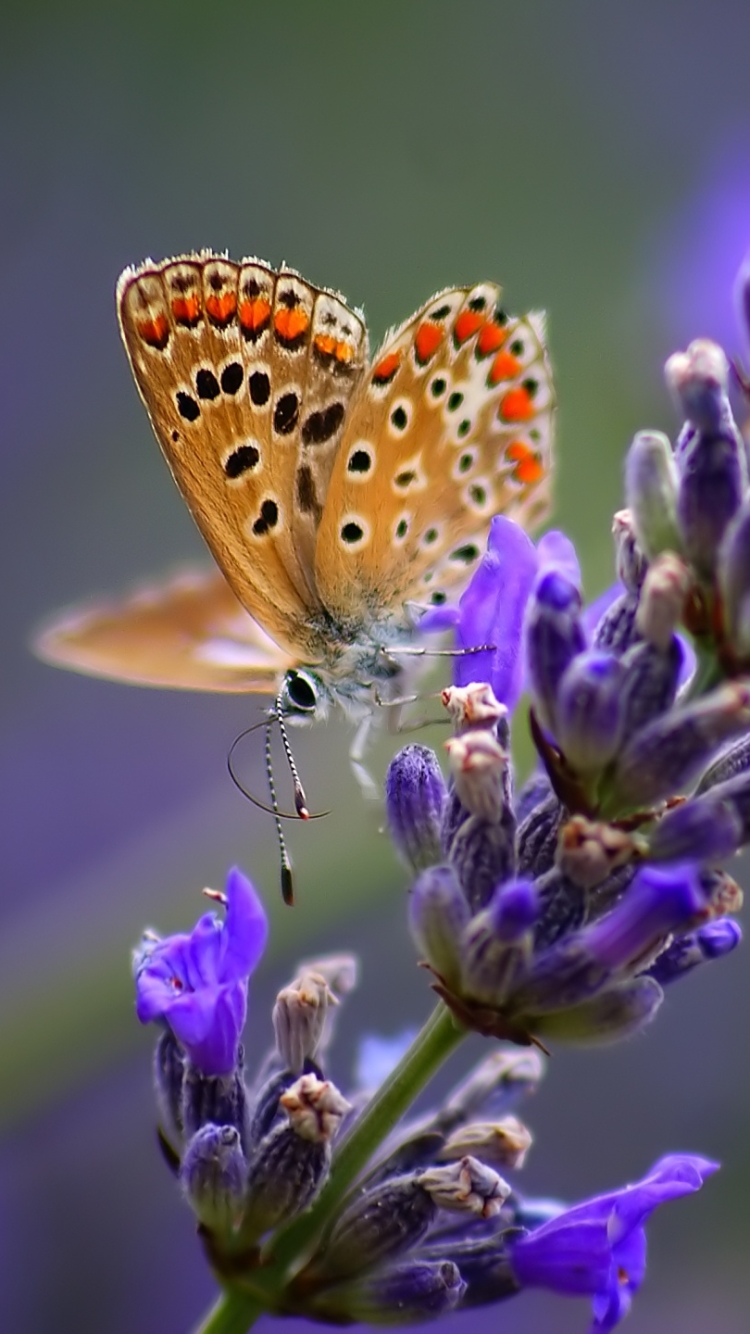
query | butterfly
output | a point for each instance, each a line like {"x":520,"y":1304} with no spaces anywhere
{"x":339,"y":495}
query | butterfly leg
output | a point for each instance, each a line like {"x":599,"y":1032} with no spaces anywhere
{"x":368,"y":786}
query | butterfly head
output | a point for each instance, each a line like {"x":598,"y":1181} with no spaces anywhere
{"x":302,"y":696}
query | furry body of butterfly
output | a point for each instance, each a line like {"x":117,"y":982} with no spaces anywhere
{"x":335,"y":493}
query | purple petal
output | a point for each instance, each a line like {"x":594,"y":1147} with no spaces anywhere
{"x":555,"y":550}
{"x":492,"y":611}
{"x":245,"y":929}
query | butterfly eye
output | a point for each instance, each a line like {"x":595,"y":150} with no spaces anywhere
{"x":299,"y":693}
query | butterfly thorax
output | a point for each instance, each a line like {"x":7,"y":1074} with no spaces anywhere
{"x":357,"y":668}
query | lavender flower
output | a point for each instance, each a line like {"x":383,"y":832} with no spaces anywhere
{"x":197,"y":983}
{"x":598,"y":1247}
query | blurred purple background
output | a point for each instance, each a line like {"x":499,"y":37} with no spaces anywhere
{"x":593,"y":158}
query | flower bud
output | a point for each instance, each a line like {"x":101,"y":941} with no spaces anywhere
{"x":213,"y":1174}
{"x":499,"y":1081}
{"x":416,"y":1290}
{"x":698,"y":380}
{"x":497,"y":1143}
{"x":711,"y":941}
{"x":474,"y":706}
{"x":616,"y":631}
{"x":660,"y":900}
{"x":662,"y":599}
{"x":538,"y":836}
{"x":169,"y":1072}
{"x":315,"y":1108}
{"x":614,"y":1014}
{"x":415,"y":795}
{"x":706,"y":829}
{"x":291,"y":1163}
{"x":734,"y":583}
{"x":484,"y":1265}
{"x":438,"y":913}
{"x":666,"y":755}
{"x":588,"y":710}
{"x":590,"y":850}
{"x":482,"y":853}
{"x":380,"y":1223}
{"x":651,"y":482}
{"x":650,"y":684}
{"x":478,"y":763}
{"x":220,"y":1099}
{"x":467,"y":1186}
{"x":731,"y":763}
{"x":299,"y":1018}
{"x":554,"y":635}
{"x":630,"y":559}
{"x":497,"y":943}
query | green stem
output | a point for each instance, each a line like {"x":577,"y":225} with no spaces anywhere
{"x":431,"y":1047}
{"x":234,"y":1313}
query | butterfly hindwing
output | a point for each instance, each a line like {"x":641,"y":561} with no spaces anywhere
{"x":246,"y":374}
{"x":187,"y":632}
{"x":452,"y":424}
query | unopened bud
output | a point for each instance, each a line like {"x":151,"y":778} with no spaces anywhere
{"x":169,"y":1073}
{"x":698,"y":380}
{"x":467,"y":1186}
{"x":589,"y":713}
{"x":662,"y":599}
{"x":614,"y":1014}
{"x":589,"y":850}
{"x":500,"y":1080}
{"x":734,"y":583}
{"x":497,"y":1143}
{"x":438,"y":913}
{"x":415,"y":796}
{"x":380,"y":1223}
{"x":630,"y":560}
{"x":213,"y":1174}
{"x":554,"y":635}
{"x":473,"y":706}
{"x":478,"y":763}
{"x":221,"y":1099}
{"x":299,"y":1018}
{"x":315,"y":1108}
{"x":416,"y":1290}
{"x":651,"y":483}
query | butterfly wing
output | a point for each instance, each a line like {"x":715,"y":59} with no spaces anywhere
{"x":188,"y":632}
{"x":452,"y":424}
{"x":246,"y":375}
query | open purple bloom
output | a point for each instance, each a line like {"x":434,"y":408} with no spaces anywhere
{"x":492,"y":608}
{"x":598,"y":1248}
{"x":197,"y":983}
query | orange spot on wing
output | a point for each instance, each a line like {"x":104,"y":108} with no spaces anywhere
{"x":491,"y":337}
{"x":186,"y":309}
{"x":221,"y":308}
{"x":516,"y":406}
{"x":155,"y":332}
{"x":254,"y":315}
{"x":427,"y":341}
{"x":386,"y":368}
{"x":529,"y":468}
{"x":344,"y":352}
{"x":504,"y":367}
{"x":289,"y":324}
{"x":328,"y":346}
{"x":467,"y":324}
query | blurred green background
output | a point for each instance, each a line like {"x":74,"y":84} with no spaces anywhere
{"x":595,"y":158}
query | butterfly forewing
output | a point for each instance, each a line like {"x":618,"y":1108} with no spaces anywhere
{"x":187,"y":632}
{"x":452,"y":424}
{"x":246,"y":375}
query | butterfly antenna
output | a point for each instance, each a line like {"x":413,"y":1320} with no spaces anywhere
{"x":300,"y":800}
{"x":261,"y":805}
{"x":287,"y":882}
